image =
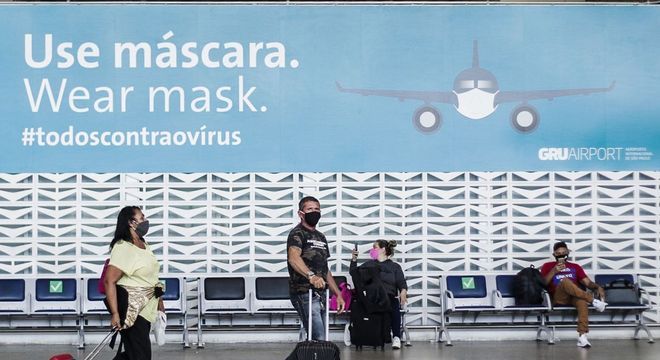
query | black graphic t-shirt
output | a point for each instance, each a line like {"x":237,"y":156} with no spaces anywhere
{"x":315,"y":254}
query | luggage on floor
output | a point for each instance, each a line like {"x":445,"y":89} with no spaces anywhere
{"x":92,"y":355}
{"x":316,"y":349}
{"x":369,"y":329}
{"x":62,"y":357}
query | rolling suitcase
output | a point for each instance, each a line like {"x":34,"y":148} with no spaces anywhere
{"x":92,"y":355}
{"x":368,"y":329}
{"x":316,"y":349}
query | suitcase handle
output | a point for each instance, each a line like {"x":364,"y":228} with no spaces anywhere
{"x":97,"y":348}
{"x":327,"y":315}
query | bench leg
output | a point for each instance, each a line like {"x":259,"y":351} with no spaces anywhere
{"x":646,"y":329}
{"x":186,"y":335}
{"x":549,"y":332}
{"x":438,"y":335}
{"x":81,"y":333}
{"x":406,"y":334}
{"x":302,"y":334}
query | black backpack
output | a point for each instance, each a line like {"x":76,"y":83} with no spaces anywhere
{"x":528,"y":287}
{"x":370,"y":289}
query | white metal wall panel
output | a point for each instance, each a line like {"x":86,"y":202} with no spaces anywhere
{"x":237,"y":223}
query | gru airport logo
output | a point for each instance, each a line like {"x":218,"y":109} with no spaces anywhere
{"x":580,"y":154}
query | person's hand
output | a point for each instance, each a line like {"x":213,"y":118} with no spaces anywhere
{"x":354,"y":255}
{"x":341,"y":304}
{"x":560,"y":266}
{"x":403,"y":298}
{"x":161,"y":305}
{"x":601,"y":293}
{"x":317,"y":281}
{"x":114,"y":321}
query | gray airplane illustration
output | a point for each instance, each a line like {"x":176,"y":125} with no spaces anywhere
{"x":476,"y":95}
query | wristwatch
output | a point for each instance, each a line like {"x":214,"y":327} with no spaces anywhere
{"x":310,"y":274}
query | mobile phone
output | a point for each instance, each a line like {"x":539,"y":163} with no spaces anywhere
{"x":355,"y":247}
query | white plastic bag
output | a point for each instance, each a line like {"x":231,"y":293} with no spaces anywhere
{"x":158,"y":328}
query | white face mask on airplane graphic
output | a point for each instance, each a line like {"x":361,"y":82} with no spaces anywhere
{"x":476,"y":104}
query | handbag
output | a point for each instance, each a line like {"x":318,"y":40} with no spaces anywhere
{"x":346,"y":294}
{"x":158,"y":328}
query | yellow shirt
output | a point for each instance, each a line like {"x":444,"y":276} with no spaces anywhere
{"x":140,"y":268}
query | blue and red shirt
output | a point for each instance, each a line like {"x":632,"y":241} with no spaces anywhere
{"x":573,"y":272}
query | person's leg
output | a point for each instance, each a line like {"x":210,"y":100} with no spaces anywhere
{"x":396,"y":317}
{"x":318,"y":318}
{"x":583,"y":315}
{"x":568,"y":289}
{"x":299,"y":302}
{"x":136,"y":340}
{"x":568,"y":293}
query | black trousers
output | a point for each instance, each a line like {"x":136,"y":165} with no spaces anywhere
{"x":137,"y":345}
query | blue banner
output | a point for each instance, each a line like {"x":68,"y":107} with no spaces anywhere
{"x":122,"y":88}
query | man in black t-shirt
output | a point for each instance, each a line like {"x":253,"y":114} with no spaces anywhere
{"x":307,"y":258}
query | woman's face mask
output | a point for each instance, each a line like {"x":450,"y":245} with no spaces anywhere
{"x":141,"y":228}
{"x":374,"y":253}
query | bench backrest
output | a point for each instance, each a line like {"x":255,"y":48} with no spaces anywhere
{"x":56,"y":295}
{"x":224,"y":294}
{"x":13,"y":299}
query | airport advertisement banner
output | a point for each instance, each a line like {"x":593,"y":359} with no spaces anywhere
{"x":201,"y":88}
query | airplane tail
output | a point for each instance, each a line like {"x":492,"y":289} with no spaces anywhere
{"x":475,"y":54}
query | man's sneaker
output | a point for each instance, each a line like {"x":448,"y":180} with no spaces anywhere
{"x":583,"y":342}
{"x":396,"y":343}
{"x":599,"y":305}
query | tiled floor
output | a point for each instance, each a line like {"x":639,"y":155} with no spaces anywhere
{"x":482,"y":350}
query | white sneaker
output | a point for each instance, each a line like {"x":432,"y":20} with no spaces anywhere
{"x":583,"y":342}
{"x":599,"y":305}
{"x":396,"y":343}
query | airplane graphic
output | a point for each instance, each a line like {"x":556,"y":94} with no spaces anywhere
{"x":476,"y":95}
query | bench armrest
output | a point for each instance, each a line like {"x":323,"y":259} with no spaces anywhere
{"x":449,"y":305}
{"x":498,"y":301}
{"x":547,"y":302}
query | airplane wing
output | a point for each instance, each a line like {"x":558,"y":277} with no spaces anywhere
{"x":515,"y":96}
{"x":446,"y":97}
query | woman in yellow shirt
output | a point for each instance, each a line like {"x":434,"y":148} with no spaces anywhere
{"x":133,"y":266}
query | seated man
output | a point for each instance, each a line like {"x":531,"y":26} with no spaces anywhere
{"x":561,"y":278}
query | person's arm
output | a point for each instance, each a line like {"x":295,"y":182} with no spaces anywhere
{"x":112,"y":275}
{"x":354,"y":257}
{"x":403,"y":296}
{"x":335,"y":290}
{"x":297,"y":263}
{"x":593,"y":286}
{"x":401,"y":284}
{"x":548,"y":274}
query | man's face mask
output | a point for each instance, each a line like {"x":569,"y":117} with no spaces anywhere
{"x":561,"y":257}
{"x":142,"y":228}
{"x":312,"y":218}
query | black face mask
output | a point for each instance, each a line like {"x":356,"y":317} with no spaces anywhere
{"x":557,"y":258}
{"x":142,"y":228}
{"x":312,"y":218}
